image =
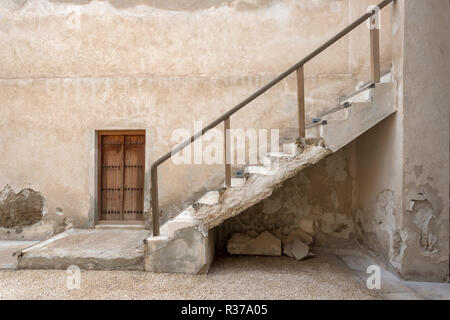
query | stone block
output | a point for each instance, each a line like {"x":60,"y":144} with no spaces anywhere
{"x":187,"y":251}
{"x":265,"y":244}
{"x":296,"y":249}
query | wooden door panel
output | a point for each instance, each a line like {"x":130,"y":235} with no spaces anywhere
{"x":112,"y":177}
{"x":134,"y":154}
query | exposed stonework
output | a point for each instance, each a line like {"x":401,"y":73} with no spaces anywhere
{"x":20,"y":209}
{"x":24,"y":216}
{"x":378,"y":228}
{"x":422,"y":213}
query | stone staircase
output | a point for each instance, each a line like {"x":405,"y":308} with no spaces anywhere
{"x":186,"y":243}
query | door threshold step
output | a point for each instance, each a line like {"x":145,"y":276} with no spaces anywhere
{"x":120,"y":226}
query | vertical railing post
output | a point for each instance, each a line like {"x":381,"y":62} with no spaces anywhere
{"x":155,"y":203}
{"x":375,"y":49}
{"x":301,"y":101}
{"x":227,"y":152}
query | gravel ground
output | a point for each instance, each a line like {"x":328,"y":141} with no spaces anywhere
{"x":322,"y":277}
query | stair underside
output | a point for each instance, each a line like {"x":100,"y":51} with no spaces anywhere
{"x":368,"y":109}
{"x":257,"y":187}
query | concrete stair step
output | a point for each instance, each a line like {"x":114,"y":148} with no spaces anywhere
{"x":120,"y":226}
{"x":183,"y":220}
{"x":237,"y":182}
{"x":210,"y":198}
{"x":258,"y":170}
{"x":280,"y":155}
{"x":181,"y":247}
{"x":290,"y":148}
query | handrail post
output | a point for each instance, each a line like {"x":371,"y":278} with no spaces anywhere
{"x":155,"y":203}
{"x":301,"y":101}
{"x":227,"y":152}
{"x":375,"y":49}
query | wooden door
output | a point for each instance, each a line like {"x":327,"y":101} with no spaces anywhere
{"x":122,"y":176}
{"x":133,"y":202}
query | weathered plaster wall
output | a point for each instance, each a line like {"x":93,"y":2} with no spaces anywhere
{"x":322,"y":193}
{"x":402,"y":164}
{"x":378,"y":189}
{"x":69,"y":68}
{"x":425,"y":127}
{"x":182,"y":38}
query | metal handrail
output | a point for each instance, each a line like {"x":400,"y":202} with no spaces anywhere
{"x":343,"y":104}
{"x":228,"y":114}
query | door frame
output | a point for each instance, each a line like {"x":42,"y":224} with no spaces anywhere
{"x":100,"y":134}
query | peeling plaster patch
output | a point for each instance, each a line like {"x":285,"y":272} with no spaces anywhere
{"x":376,"y":227}
{"x":24,"y":216}
{"x":424,"y":209}
{"x":386,"y":209}
{"x":396,"y":243}
{"x":20,"y":209}
{"x":422,"y":213}
{"x":397,"y":247}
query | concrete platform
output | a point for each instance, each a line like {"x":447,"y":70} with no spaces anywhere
{"x":89,"y":249}
{"x":8,"y":248}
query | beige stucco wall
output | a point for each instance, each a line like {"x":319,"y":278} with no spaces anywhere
{"x":426,"y":95}
{"x":69,"y":68}
{"x":402,"y":164}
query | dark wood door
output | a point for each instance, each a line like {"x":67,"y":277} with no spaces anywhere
{"x":122,"y":177}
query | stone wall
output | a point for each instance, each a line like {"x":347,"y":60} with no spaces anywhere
{"x":24,"y":215}
{"x":22,"y":209}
